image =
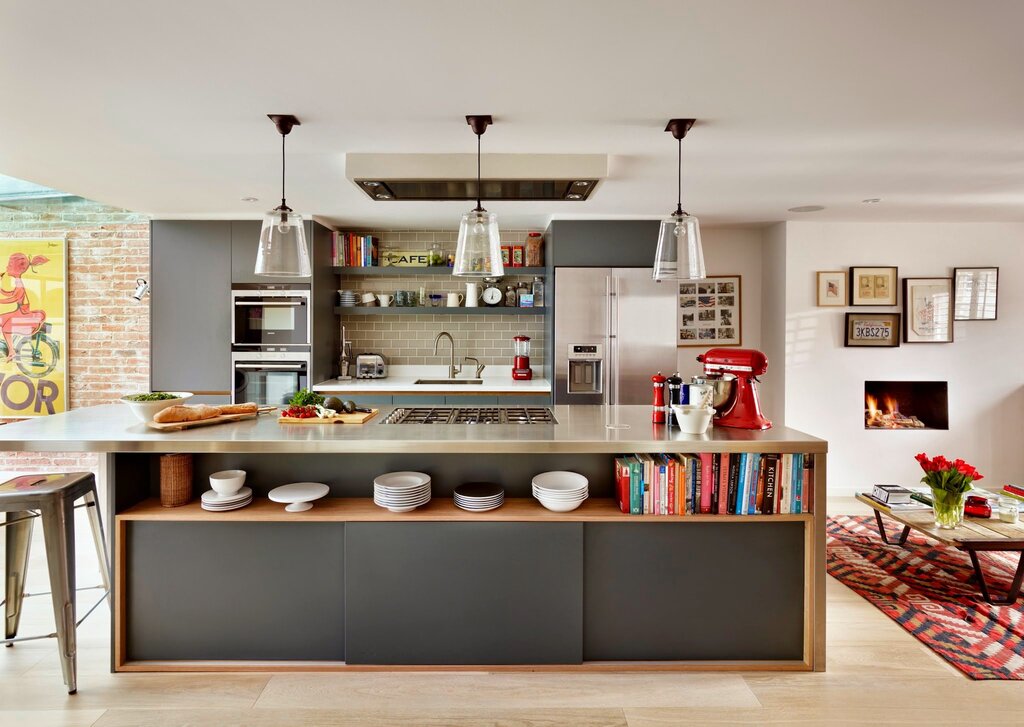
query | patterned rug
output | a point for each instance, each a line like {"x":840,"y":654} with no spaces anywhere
{"x":926,"y":588}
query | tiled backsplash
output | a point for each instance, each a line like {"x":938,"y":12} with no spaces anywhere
{"x":408,"y":339}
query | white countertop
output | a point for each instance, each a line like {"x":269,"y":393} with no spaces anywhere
{"x":400,"y":380}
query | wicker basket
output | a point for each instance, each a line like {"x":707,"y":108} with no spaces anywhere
{"x":175,"y":479}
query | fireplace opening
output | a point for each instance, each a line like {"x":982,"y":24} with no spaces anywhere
{"x":906,"y":405}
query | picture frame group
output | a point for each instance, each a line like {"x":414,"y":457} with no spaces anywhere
{"x":710,"y":312}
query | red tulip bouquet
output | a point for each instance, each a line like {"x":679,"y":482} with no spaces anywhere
{"x":949,"y":482}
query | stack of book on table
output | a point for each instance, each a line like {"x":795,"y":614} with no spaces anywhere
{"x":1014,"y":491}
{"x":897,"y":497}
{"x":724,"y":483}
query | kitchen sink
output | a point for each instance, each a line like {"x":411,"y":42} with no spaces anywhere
{"x":445,"y":382}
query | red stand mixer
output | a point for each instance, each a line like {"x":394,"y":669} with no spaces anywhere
{"x":743,"y":409}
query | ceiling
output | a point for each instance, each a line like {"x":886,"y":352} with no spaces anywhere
{"x":160,"y":107}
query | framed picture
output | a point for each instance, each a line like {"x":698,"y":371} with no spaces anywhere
{"x":832,"y":288}
{"x":33,"y":321}
{"x":873,"y":286}
{"x":927,"y":310}
{"x":873,"y":330}
{"x":709,"y":312}
{"x":975,"y":294}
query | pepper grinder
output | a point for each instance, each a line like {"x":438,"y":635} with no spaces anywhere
{"x":673,"y":386}
{"x":658,"y":415}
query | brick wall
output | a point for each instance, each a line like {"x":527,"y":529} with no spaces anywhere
{"x":409,"y":339}
{"x":108,"y":346}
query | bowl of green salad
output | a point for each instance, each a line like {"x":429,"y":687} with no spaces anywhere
{"x":144,"y":406}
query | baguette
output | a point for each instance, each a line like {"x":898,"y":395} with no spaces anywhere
{"x":246,"y":408}
{"x":177,"y":414}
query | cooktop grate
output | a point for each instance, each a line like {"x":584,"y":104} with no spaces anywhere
{"x":471,"y":415}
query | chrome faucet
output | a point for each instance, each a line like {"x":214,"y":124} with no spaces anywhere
{"x":479,"y":366}
{"x":453,"y":371}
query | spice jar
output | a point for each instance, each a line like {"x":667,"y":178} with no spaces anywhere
{"x":511,"y":301}
{"x":534,"y":258}
{"x":1009,"y":510}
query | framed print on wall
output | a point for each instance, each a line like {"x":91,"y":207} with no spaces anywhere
{"x":927,"y":310}
{"x":832,"y":288}
{"x":873,"y":285}
{"x":709,"y":312}
{"x":872,"y":330}
{"x":33,"y":324}
{"x":975,"y":294}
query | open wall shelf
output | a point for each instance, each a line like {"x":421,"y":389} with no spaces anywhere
{"x":437,"y":270}
{"x":358,"y":310}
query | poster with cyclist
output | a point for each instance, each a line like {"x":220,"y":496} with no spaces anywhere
{"x":33,"y":327}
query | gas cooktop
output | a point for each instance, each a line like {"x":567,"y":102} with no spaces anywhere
{"x":471,"y":415}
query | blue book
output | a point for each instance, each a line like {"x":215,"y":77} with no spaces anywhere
{"x":798,"y":482}
{"x":753,"y":469}
{"x":741,"y":482}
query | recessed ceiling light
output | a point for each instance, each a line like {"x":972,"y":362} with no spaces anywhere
{"x":383,"y":195}
{"x":573,"y":195}
{"x":250,"y":199}
{"x":807,"y":208}
{"x":371,"y":184}
{"x":582,"y":183}
{"x":871,"y":200}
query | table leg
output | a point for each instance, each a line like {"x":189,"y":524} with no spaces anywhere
{"x":1011,"y":595}
{"x":885,"y":538}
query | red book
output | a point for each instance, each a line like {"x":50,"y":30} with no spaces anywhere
{"x":1015,"y":489}
{"x":706,"y":468}
{"x":723,"y":485}
{"x":622,"y":484}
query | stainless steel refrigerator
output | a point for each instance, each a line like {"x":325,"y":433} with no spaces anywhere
{"x":614,"y":329}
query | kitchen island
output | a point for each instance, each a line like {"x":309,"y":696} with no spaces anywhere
{"x":347,"y":585}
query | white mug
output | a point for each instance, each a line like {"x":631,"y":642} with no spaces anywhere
{"x":473,"y":293}
{"x":369,"y":297}
{"x":455,"y":300}
{"x":384,"y":299}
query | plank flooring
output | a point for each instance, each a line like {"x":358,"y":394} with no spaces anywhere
{"x":877,"y":675}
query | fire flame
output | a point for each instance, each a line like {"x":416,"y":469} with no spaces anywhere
{"x":887,"y":416}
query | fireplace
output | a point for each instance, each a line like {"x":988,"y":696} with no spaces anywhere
{"x":906,"y":405}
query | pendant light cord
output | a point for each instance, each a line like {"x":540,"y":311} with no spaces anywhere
{"x":282,"y":171}
{"x":479,"y":207}
{"x":679,"y":180}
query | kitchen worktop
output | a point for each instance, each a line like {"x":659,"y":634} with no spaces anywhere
{"x":401,"y":380}
{"x":580,"y":429}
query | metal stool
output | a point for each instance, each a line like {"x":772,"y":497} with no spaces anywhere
{"x":51,"y":498}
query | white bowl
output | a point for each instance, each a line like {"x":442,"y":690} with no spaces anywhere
{"x":560,"y":482}
{"x":559,"y":505}
{"x":693,"y":419}
{"x":227,"y":482}
{"x":145,"y":410}
{"x":560,"y":495}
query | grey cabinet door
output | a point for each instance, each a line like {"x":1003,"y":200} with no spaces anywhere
{"x":245,"y":242}
{"x":190,"y":319}
{"x":463,"y":593}
{"x":602,"y":243}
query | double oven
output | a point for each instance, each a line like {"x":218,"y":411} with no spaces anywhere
{"x":270,"y":342}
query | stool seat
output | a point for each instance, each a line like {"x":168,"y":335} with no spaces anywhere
{"x":51,"y":499}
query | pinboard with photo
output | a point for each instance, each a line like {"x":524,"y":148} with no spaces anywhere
{"x":709,"y":312}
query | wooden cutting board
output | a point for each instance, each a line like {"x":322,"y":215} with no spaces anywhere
{"x":356,"y":417}
{"x":223,"y":419}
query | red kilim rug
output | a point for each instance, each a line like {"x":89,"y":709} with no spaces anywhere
{"x":925,"y":587}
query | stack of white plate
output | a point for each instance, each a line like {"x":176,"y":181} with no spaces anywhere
{"x":221,"y":503}
{"x":401,"y":491}
{"x":479,"y":496}
{"x":560,"y":491}
{"x":347,"y":298}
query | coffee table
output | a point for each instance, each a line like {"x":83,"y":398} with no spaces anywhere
{"x":973,"y":535}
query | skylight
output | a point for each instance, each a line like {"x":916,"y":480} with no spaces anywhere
{"x":13,"y":189}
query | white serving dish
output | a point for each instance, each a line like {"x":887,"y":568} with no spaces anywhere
{"x":693,"y":419}
{"x":560,"y":505}
{"x":210,"y":497}
{"x":144,"y":410}
{"x":557,"y":481}
{"x":401,"y":480}
{"x":227,"y":482}
{"x":298,"y":495}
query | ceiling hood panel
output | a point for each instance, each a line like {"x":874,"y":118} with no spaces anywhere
{"x":444,"y":177}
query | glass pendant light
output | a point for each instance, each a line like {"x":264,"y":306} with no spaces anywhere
{"x":680,"y":255}
{"x":478,"y":252}
{"x":283,"y":249}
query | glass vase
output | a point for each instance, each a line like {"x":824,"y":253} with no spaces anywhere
{"x":948,"y":508}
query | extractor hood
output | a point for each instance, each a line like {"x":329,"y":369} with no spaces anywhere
{"x":452,"y":177}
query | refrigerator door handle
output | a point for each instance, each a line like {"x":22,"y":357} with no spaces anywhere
{"x":610,"y":324}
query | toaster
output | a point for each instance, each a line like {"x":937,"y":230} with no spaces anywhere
{"x":371,"y":366}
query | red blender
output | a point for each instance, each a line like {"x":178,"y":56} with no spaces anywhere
{"x":521,"y":370}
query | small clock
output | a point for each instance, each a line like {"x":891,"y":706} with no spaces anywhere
{"x":493,"y":296}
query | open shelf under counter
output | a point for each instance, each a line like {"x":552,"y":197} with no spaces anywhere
{"x":391,"y":270}
{"x":359,"y":509}
{"x":358,"y":310}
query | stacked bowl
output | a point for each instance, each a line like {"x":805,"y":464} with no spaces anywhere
{"x":347,"y":298}
{"x":401,"y":491}
{"x":560,"y":491}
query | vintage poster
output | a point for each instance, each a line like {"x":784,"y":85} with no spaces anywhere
{"x":33,"y":322}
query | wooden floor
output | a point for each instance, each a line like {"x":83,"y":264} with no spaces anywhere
{"x":877,"y":675}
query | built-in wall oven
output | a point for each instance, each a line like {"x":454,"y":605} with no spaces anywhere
{"x":270,"y":315}
{"x":269,"y":378}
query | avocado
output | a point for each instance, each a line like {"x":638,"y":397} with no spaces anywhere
{"x":333,"y":402}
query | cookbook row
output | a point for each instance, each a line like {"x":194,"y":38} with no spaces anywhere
{"x":709,"y":483}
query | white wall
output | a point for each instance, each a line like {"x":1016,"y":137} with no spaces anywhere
{"x":824,"y":382}
{"x":731,"y":251}
{"x":773,"y":323}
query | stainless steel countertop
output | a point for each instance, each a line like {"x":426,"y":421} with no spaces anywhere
{"x":113,"y":428}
